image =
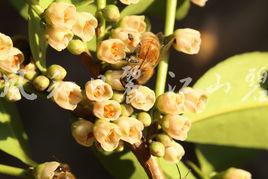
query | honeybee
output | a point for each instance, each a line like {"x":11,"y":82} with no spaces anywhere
{"x":63,"y":172}
{"x":146,"y":58}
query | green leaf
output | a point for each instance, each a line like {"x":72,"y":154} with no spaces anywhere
{"x":218,"y":158}
{"x":37,"y":40}
{"x":237,"y":110}
{"x":137,"y":8}
{"x":183,"y":9}
{"x":125,"y":165}
{"x":13,"y":139}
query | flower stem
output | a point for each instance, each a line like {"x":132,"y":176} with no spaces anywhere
{"x":14,"y":171}
{"x":163,"y":65}
{"x":101,"y":4}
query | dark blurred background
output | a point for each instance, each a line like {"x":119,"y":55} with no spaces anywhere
{"x":228,"y":27}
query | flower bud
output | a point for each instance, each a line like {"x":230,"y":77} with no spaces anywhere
{"x":113,"y":77}
{"x":131,"y":129}
{"x":200,"y":3}
{"x":6,"y":45}
{"x":142,"y":98}
{"x":41,"y":83}
{"x":145,"y":118}
{"x":170,"y":103}
{"x":76,"y":47}
{"x":98,"y":90}
{"x":130,"y":37}
{"x":82,"y":131}
{"x":195,"y":100}
{"x":58,"y":38}
{"x":111,"y":51}
{"x":109,"y":110}
{"x":128,"y":2}
{"x":85,"y":26}
{"x":30,"y":71}
{"x":187,"y":41}
{"x":52,"y":170}
{"x":107,"y":134}
{"x":134,"y":22}
{"x":164,"y":139}
{"x":56,"y":72}
{"x":174,"y":153}
{"x":67,"y":95}
{"x":176,"y":126}
{"x":13,"y":94}
{"x":157,"y":149}
{"x":119,"y":97}
{"x":126,"y":110}
{"x":234,"y":173}
{"x":11,"y":63}
{"x":111,"y":13}
{"x":61,"y":14}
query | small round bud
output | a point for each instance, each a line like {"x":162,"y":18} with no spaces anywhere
{"x":111,"y":13}
{"x":119,"y":97}
{"x":30,"y":71}
{"x":187,"y":41}
{"x":56,"y":72}
{"x":174,"y":153}
{"x":157,"y":149}
{"x":76,"y":47}
{"x":164,"y":139}
{"x":41,"y":83}
{"x":113,"y":77}
{"x":82,"y":131}
{"x":120,"y":147}
{"x":13,"y":94}
{"x":176,"y":126}
{"x":233,"y":173}
{"x":145,"y":118}
{"x":170,"y":103}
{"x":126,"y":110}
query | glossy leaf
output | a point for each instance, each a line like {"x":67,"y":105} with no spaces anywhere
{"x":237,"y":110}
{"x":219,"y":158}
{"x":13,"y":139}
{"x":137,"y":8}
{"x":125,"y":165}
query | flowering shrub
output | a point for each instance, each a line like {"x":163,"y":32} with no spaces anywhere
{"x":115,"y":109}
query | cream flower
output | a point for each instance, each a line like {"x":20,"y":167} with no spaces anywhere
{"x":58,"y":38}
{"x":235,"y":173}
{"x":142,"y":98}
{"x":109,"y":110}
{"x":82,"y":131}
{"x":170,"y":103}
{"x":13,"y":94}
{"x":98,"y":90}
{"x":107,"y":134}
{"x":128,"y":2}
{"x":111,"y":51}
{"x":12,"y":62}
{"x":199,"y":2}
{"x":174,"y":153}
{"x":187,"y":41}
{"x":61,"y":14}
{"x":130,"y":37}
{"x":6,"y":45}
{"x":113,"y":78}
{"x":131,"y":129}
{"x":85,"y":26}
{"x":195,"y":100}
{"x":67,"y":94}
{"x":134,"y":22}
{"x":176,"y":126}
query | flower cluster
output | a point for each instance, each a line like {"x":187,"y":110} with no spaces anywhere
{"x":63,"y":22}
